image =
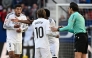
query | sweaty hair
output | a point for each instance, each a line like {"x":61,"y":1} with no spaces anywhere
{"x":47,"y":12}
{"x":18,"y":5}
{"x":74,"y":6}
{"x":41,"y":13}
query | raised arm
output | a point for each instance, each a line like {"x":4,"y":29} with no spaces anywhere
{"x":48,"y":30}
{"x":28,"y":21}
{"x":8,"y":25}
{"x":69,"y":27}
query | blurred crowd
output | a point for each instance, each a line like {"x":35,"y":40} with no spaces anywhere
{"x":29,"y":7}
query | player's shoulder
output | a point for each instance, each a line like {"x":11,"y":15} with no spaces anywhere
{"x":33,"y":22}
{"x":9,"y":15}
{"x":45,"y":20}
{"x":23,"y":14}
{"x":51,"y":20}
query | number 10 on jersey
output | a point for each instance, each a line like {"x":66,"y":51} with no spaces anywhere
{"x":39,"y":32}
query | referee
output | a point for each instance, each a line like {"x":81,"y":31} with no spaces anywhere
{"x":76,"y":25}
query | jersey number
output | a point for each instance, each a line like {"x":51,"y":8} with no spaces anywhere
{"x":39,"y":32}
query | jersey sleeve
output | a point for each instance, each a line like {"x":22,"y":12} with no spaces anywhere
{"x":23,"y":25}
{"x":7,"y":24}
{"x":69,"y":27}
{"x":52,"y":24}
{"x":48,"y":30}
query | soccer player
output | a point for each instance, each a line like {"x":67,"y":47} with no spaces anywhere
{"x":76,"y":25}
{"x":14,"y":32}
{"x":42,"y":30}
{"x":54,"y":41}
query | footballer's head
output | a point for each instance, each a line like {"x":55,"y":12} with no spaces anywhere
{"x":41,"y":13}
{"x":18,"y":9}
{"x":73,"y":8}
{"x":47,"y":12}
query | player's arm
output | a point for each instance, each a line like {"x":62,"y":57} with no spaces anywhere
{"x":70,"y":24}
{"x":7,"y":24}
{"x":48,"y":30}
{"x":68,"y":27}
{"x":28,"y":21}
{"x":24,"y":26}
{"x":52,"y":23}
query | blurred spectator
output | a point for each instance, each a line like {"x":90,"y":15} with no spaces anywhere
{"x":85,"y":1}
{"x":6,"y":3}
{"x":9,"y":10}
{"x":82,"y":1}
{"x":26,"y":9}
{"x":90,"y":14}
{"x":4,"y":13}
{"x":23,"y":5}
{"x":14,"y":2}
{"x":62,"y":18}
{"x":0,"y":2}
{"x":1,"y":8}
{"x":29,"y":2}
{"x":69,"y":1}
{"x":41,"y":3}
{"x":33,"y":11}
{"x":86,"y":16}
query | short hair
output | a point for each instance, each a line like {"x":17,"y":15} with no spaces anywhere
{"x":41,"y":13}
{"x":47,"y":12}
{"x":74,"y":6}
{"x":18,"y":5}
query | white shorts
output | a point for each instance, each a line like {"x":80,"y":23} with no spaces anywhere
{"x":54,"y":48}
{"x":42,"y":53}
{"x":16,"y":47}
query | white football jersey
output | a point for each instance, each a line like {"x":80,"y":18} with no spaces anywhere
{"x":42,"y":30}
{"x":52,"y":24}
{"x":54,"y":42}
{"x":12,"y":35}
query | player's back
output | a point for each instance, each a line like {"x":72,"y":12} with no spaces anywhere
{"x":41,"y":26}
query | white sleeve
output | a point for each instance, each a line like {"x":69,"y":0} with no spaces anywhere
{"x":24,"y":26}
{"x":48,"y":30}
{"x":52,"y":24}
{"x":7,"y":24}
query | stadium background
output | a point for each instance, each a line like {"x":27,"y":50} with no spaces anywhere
{"x":29,"y":9}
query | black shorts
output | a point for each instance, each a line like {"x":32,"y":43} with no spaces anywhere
{"x":81,"y":43}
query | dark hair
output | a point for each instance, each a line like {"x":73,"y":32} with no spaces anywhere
{"x":41,"y":13}
{"x":18,"y":5}
{"x":47,"y":12}
{"x":74,"y":6}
